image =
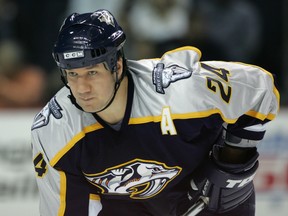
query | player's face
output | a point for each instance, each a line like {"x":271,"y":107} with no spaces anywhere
{"x":92,"y":86}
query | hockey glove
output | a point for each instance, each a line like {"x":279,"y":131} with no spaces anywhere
{"x":221,"y":185}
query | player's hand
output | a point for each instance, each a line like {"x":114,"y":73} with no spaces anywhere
{"x":223,"y":186}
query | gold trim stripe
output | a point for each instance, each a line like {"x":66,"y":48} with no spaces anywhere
{"x":63,"y":188}
{"x":73,"y":141}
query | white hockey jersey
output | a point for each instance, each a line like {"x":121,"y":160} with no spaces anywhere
{"x":177,"y":106}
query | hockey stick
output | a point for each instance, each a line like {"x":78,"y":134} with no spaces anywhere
{"x":197,"y":207}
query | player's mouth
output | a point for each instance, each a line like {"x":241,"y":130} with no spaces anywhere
{"x":85,"y":99}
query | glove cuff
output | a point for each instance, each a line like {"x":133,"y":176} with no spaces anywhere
{"x":234,"y":167}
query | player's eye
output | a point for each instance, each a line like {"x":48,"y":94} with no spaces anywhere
{"x":72,"y":74}
{"x":92,"y":73}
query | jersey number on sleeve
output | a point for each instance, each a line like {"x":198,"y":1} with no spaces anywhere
{"x":40,"y":165}
{"x":212,"y":83}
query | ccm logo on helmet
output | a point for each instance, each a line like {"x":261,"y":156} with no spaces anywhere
{"x":71,"y":55}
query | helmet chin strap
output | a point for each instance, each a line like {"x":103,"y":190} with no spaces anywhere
{"x":116,"y":87}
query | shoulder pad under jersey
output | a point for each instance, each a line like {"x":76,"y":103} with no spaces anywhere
{"x":193,"y":89}
{"x":58,"y":123}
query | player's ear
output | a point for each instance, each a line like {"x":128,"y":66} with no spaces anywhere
{"x":119,"y":66}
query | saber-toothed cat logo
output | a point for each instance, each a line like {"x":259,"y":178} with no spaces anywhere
{"x":140,"y":179}
{"x":104,"y":16}
{"x":163,"y":76}
{"x":42,"y":118}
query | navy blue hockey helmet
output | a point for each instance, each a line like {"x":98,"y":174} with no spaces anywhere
{"x":88,"y":39}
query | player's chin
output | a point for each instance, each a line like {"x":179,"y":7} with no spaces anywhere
{"x":89,"y":108}
{"x":86,"y":106}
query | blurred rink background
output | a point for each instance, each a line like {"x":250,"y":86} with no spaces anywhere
{"x":252,"y":31}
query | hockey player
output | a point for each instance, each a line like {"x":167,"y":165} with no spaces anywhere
{"x":147,"y":137}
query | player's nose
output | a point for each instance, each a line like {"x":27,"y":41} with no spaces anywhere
{"x":83,"y":85}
